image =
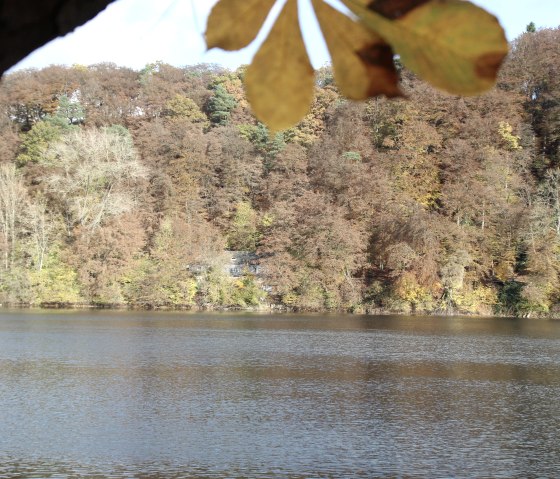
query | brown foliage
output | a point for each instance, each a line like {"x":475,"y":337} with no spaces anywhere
{"x":424,"y":201}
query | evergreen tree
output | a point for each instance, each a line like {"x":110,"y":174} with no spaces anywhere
{"x":220,"y":106}
{"x":70,"y":110}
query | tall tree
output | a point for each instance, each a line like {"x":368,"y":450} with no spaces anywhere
{"x":95,"y":174}
{"x":13,"y":199}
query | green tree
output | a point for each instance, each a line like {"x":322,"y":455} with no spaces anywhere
{"x":36,"y":143}
{"x":531,"y":28}
{"x":268,"y":145}
{"x":220,"y":105}
{"x":70,"y":110}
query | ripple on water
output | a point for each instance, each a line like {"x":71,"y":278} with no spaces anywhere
{"x":214,"y":397}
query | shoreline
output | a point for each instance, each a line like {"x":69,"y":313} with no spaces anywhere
{"x":263,"y":309}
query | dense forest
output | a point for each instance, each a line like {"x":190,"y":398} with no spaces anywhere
{"x":123,"y":187}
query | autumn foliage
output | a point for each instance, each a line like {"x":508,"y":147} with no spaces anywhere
{"x":129,"y":187}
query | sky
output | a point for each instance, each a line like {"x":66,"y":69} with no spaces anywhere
{"x":134,"y":33}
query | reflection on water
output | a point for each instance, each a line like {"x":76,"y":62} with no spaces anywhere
{"x":212,"y":396}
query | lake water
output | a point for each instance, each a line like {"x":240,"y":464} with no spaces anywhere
{"x":179,"y":395}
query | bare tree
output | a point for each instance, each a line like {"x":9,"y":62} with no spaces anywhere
{"x":95,"y":176}
{"x":42,"y":228}
{"x":551,"y":193}
{"x":13,"y":197}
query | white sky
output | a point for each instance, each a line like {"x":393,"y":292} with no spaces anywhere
{"x":136,"y":32}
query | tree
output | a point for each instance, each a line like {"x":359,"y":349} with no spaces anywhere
{"x":43,"y":229}
{"x":233,"y":173}
{"x":56,"y":282}
{"x":285,"y":178}
{"x":533,"y":70}
{"x":95,"y":174}
{"x":105,"y":258}
{"x":28,"y":101}
{"x":243,"y":234}
{"x":550,"y":191}
{"x":180,"y":252}
{"x":432,"y":203}
{"x":220,"y":105}
{"x":37,"y":142}
{"x":265,"y":143}
{"x":453,"y":274}
{"x":531,"y":28}
{"x":110,"y":94}
{"x":184,"y":107}
{"x":311,"y":254}
{"x":71,"y":110}
{"x":13,"y":199}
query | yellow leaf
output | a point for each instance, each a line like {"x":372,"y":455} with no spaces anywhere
{"x":363,"y":62}
{"x":453,"y":44}
{"x":280,"y":79}
{"x":233,"y":24}
{"x":393,"y":9}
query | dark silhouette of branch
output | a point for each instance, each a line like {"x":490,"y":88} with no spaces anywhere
{"x":28,"y":24}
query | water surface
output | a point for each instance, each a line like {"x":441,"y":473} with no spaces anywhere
{"x":169,"y":395}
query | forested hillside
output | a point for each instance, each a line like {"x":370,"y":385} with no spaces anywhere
{"x":129,"y":187}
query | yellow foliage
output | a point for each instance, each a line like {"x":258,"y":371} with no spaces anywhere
{"x":267,"y":220}
{"x":419,"y":178}
{"x":511,"y":140}
{"x":504,"y":269}
{"x":312,"y":125}
{"x":290,"y":299}
{"x":79,"y":67}
{"x":408,"y":289}
{"x":453,"y":44}
{"x":183,"y":107}
{"x":55,"y":283}
{"x":363,"y":62}
{"x":233,"y":85}
{"x":479,"y":300}
{"x":189,"y":290}
{"x":281,"y":100}
{"x":227,"y":15}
